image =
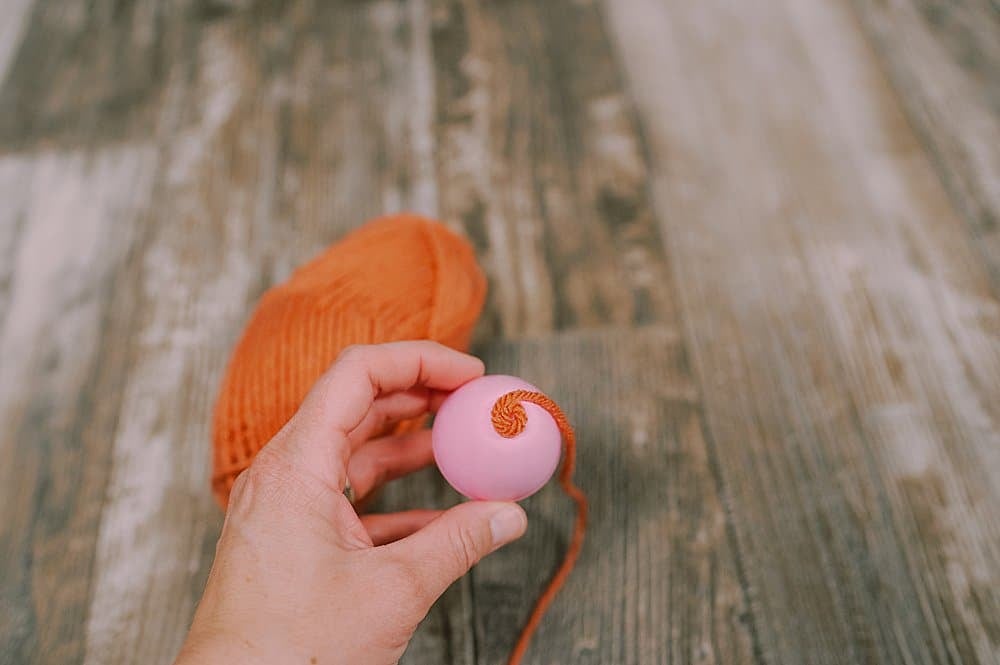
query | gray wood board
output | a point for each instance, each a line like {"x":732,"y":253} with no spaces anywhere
{"x":540,"y":161}
{"x":943,"y":59}
{"x":657,"y":581}
{"x":842,"y":330}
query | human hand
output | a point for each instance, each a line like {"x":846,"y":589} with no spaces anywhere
{"x":298,"y":576}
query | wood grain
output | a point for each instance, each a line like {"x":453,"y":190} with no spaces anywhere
{"x":770,"y":304}
{"x":59,"y":380}
{"x":91,"y":73}
{"x":657,"y":581}
{"x":15,"y":175}
{"x":539,"y":161}
{"x":248,"y":172}
{"x":16,"y":15}
{"x":842,"y":329}
{"x":944,"y":60}
{"x":247,"y":132}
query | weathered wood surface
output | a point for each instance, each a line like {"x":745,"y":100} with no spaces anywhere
{"x":842,"y":328}
{"x":821,"y":483}
{"x":658,"y":581}
{"x":539,"y":159}
{"x":944,"y":60}
{"x":224,"y":171}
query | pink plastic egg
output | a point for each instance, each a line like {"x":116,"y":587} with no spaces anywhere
{"x":479,"y":462}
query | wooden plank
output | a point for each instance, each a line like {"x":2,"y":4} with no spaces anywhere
{"x":395,"y":49}
{"x":943,"y":59}
{"x":16,"y":13}
{"x":402,"y":103}
{"x":74,"y":217}
{"x":843,"y":331}
{"x":539,"y":161}
{"x":79,"y":220}
{"x":15,"y":178}
{"x":90,"y":72}
{"x":71,"y":304}
{"x":657,"y":581}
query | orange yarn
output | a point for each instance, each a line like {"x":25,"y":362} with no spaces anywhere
{"x":395,"y":278}
{"x":509,"y":419}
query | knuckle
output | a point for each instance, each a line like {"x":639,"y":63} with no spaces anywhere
{"x":354,"y":353}
{"x":268,"y":479}
{"x":465,"y":547}
{"x":239,"y":484}
{"x":265,"y":469}
{"x":254,"y":478}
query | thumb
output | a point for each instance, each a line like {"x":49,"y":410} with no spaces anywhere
{"x":450,"y":545}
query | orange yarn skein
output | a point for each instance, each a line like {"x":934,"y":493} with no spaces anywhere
{"x":395,"y":278}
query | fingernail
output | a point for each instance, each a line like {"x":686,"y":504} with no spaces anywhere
{"x":507,"y":524}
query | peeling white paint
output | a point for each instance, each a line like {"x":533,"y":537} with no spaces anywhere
{"x":160,"y":459}
{"x":79,"y":209}
{"x":196,"y":278}
{"x":422,"y":112}
{"x":12,"y":28}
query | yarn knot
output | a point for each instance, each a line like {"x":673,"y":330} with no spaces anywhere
{"x":508,"y":416}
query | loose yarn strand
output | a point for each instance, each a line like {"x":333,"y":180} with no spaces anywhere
{"x":509,"y":419}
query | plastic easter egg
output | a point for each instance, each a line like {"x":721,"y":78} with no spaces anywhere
{"x":481,"y":463}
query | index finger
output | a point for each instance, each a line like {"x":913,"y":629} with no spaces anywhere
{"x":343,"y":395}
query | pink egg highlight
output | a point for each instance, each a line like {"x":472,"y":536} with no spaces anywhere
{"x":479,"y":462}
